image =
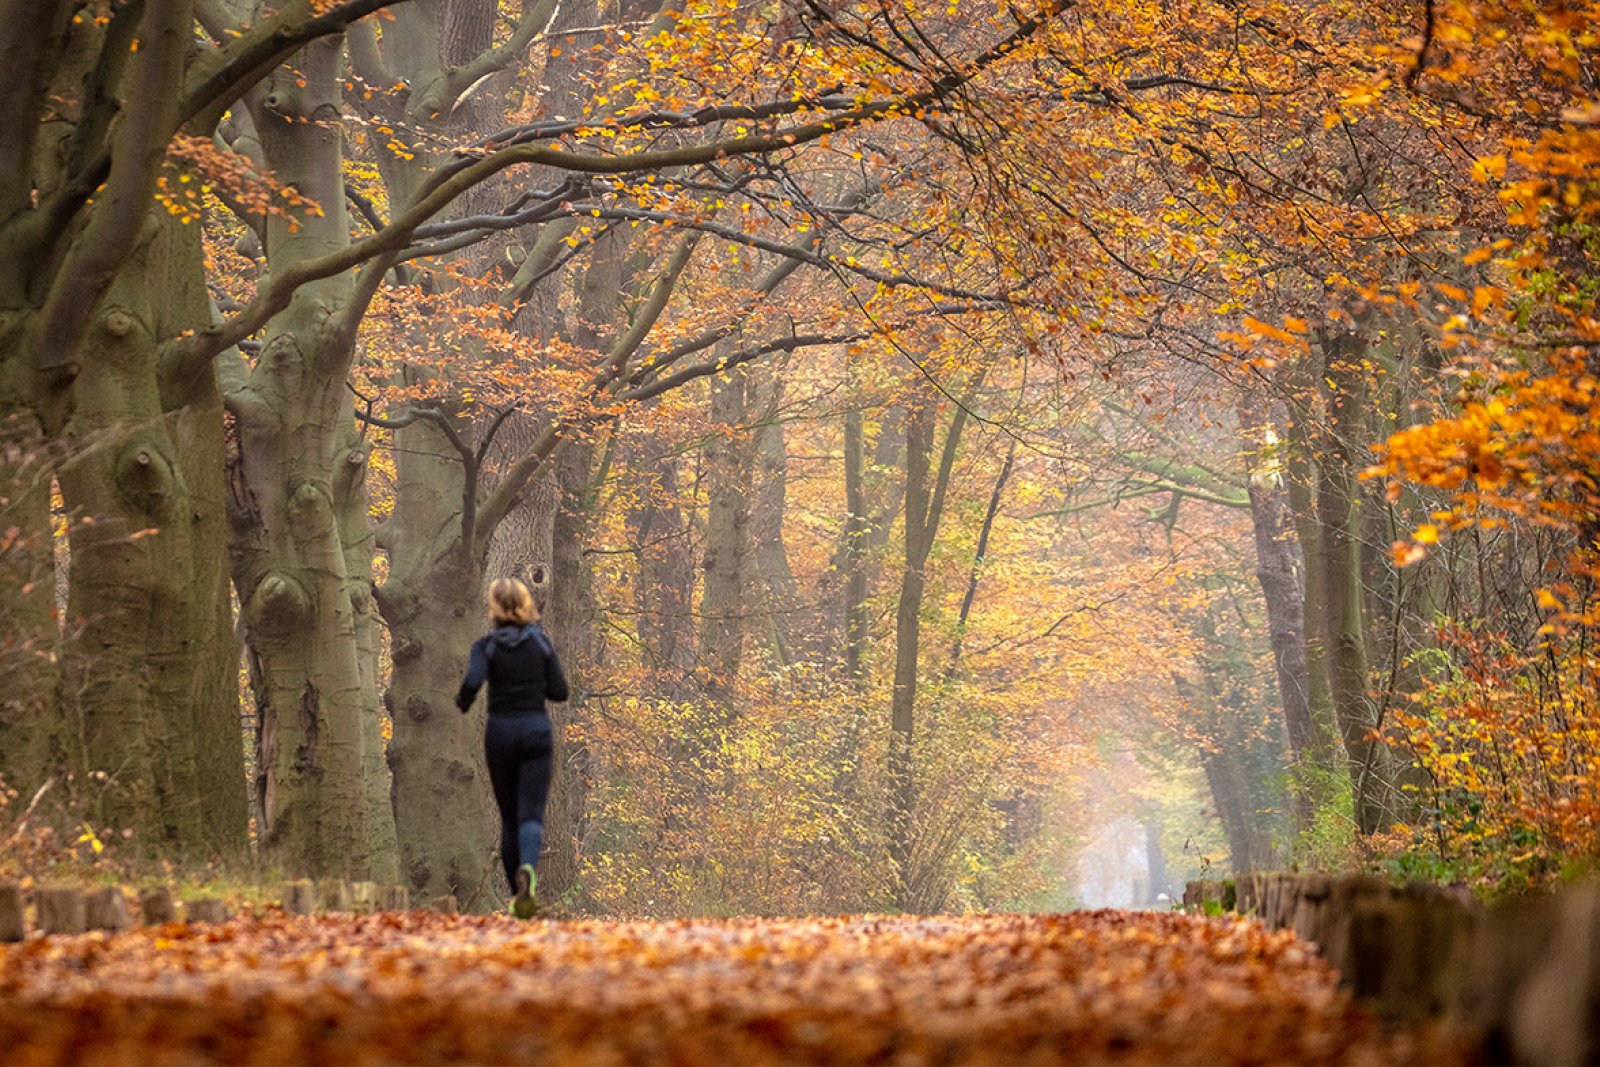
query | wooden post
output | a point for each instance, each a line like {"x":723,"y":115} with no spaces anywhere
{"x":300,"y":898}
{"x":61,"y":910}
{"x":332,"y":896}
{"x":363,"y":898}
{"x":13,"y":923}
{"x":206,"y":910}
{"x":107,"y":909}
{"x":157,"y":907}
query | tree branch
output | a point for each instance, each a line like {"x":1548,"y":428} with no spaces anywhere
{"x":446,"y":92}
{"x":122,"y":208}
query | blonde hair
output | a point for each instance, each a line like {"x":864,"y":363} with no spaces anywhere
{"x":510,"y":603}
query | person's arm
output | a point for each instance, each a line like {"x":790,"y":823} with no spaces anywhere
{"x":477,"y":674}
{"x":555,"y":682}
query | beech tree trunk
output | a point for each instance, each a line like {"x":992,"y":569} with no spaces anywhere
{"x":432,"y":602}
{"x":302,"y":550}
{"x":1339,"y":506}
{"x":33,"y":746}
{"x":776,"y":589}
{"x":664,"y":590}
{"x":1302,"y":478}
{"x":727,"y":543}
{"x":573,"y":623}
{"x":143,"y":479}
{"x":1280,"y":572}
{"x":924,"y":507}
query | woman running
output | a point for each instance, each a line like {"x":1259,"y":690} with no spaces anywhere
{"x":520,"y":665}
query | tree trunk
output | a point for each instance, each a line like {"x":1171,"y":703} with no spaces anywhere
{"x":777,"y":590}
{"x":443,"y":805}
{"x":664,"y":588}
{"x":1339,"y":506}
{"x":1302,"y":478}
{"x":302,"y":551}
{"x":924,"y":507}
{"x":1280,"y":573}
{"x":143,"y":478}
{"x":33,"y":746}
{"x":852,"y":557}
{"x":724,"y":563}
{"x":572,"y":624}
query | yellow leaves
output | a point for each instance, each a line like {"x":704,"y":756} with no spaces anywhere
{"x":90,"y":838}
{"x":1489,"y":168}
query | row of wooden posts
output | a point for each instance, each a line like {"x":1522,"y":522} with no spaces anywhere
{"x":1520,"y":980}
{"x":72,"y":910}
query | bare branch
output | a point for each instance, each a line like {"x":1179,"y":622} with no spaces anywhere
{"x":445,"y":94}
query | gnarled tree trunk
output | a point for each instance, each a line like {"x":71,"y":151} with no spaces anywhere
{"x":302,"y":546}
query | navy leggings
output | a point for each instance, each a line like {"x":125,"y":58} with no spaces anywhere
{"x":519,"y":749}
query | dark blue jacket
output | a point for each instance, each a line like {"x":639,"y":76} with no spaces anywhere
{"x":521,"y":668}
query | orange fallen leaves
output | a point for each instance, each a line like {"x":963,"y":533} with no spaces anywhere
{"x":422,"y":989}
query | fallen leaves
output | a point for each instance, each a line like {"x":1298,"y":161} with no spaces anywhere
{"x":419,"y":988}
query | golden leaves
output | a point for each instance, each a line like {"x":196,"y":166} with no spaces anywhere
{"x":421,"y":989}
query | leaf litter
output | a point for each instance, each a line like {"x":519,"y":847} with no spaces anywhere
{"x":420,"y":988}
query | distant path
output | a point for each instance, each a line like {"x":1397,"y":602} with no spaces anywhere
{"x":1096,"y":987}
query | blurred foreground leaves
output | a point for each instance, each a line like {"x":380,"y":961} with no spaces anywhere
{"x":420,"y":988}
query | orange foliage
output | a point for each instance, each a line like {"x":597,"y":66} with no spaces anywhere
{"x":1506,"y":729}
{"x":1133,"y":988}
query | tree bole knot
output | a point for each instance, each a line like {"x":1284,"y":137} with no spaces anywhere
{"x":279,"y":605}
{"x":461,"y":773}
{"x":311,"y":511}
{"x":418,"y":708}
{"x":144,"y":477}
{"x":117,"y":322}
{"x":405,"y":649}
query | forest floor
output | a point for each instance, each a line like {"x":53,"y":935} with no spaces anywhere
{"x":419,"y":988}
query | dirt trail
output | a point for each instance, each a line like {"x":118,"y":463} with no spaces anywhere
{"x":1094,"y":987}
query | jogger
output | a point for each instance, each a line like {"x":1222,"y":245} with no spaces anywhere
{"x":519,"y":749}
{"x":522,"y":670}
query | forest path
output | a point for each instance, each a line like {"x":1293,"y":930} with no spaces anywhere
{"x":418,"y":988}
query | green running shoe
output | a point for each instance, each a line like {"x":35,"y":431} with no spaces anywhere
{"x":522,"y":905}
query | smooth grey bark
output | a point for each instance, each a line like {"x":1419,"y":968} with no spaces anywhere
{"x":573,"y":617}
{"x":853,"y":549}
{"x":145,"y":701}
{"x":665,"y":583}
{"x":979,"y":556}
{"x":725,"y":559}
{"x":1280,"y":572}
{"x":925,"y":491}
{"x":775,"y":587}
{"x":872,"y":499}
{"x":1302,"y":478}
{"x":1339,"y":508}
{"x":1226,"y":740}
{"x":432,"y":600}
{"x":303,"y":547}
{"x":442,"y":801}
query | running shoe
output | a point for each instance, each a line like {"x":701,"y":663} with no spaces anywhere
{"x":522,"y":905}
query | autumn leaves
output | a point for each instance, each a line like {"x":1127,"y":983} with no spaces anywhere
{"x":422,"y":989}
